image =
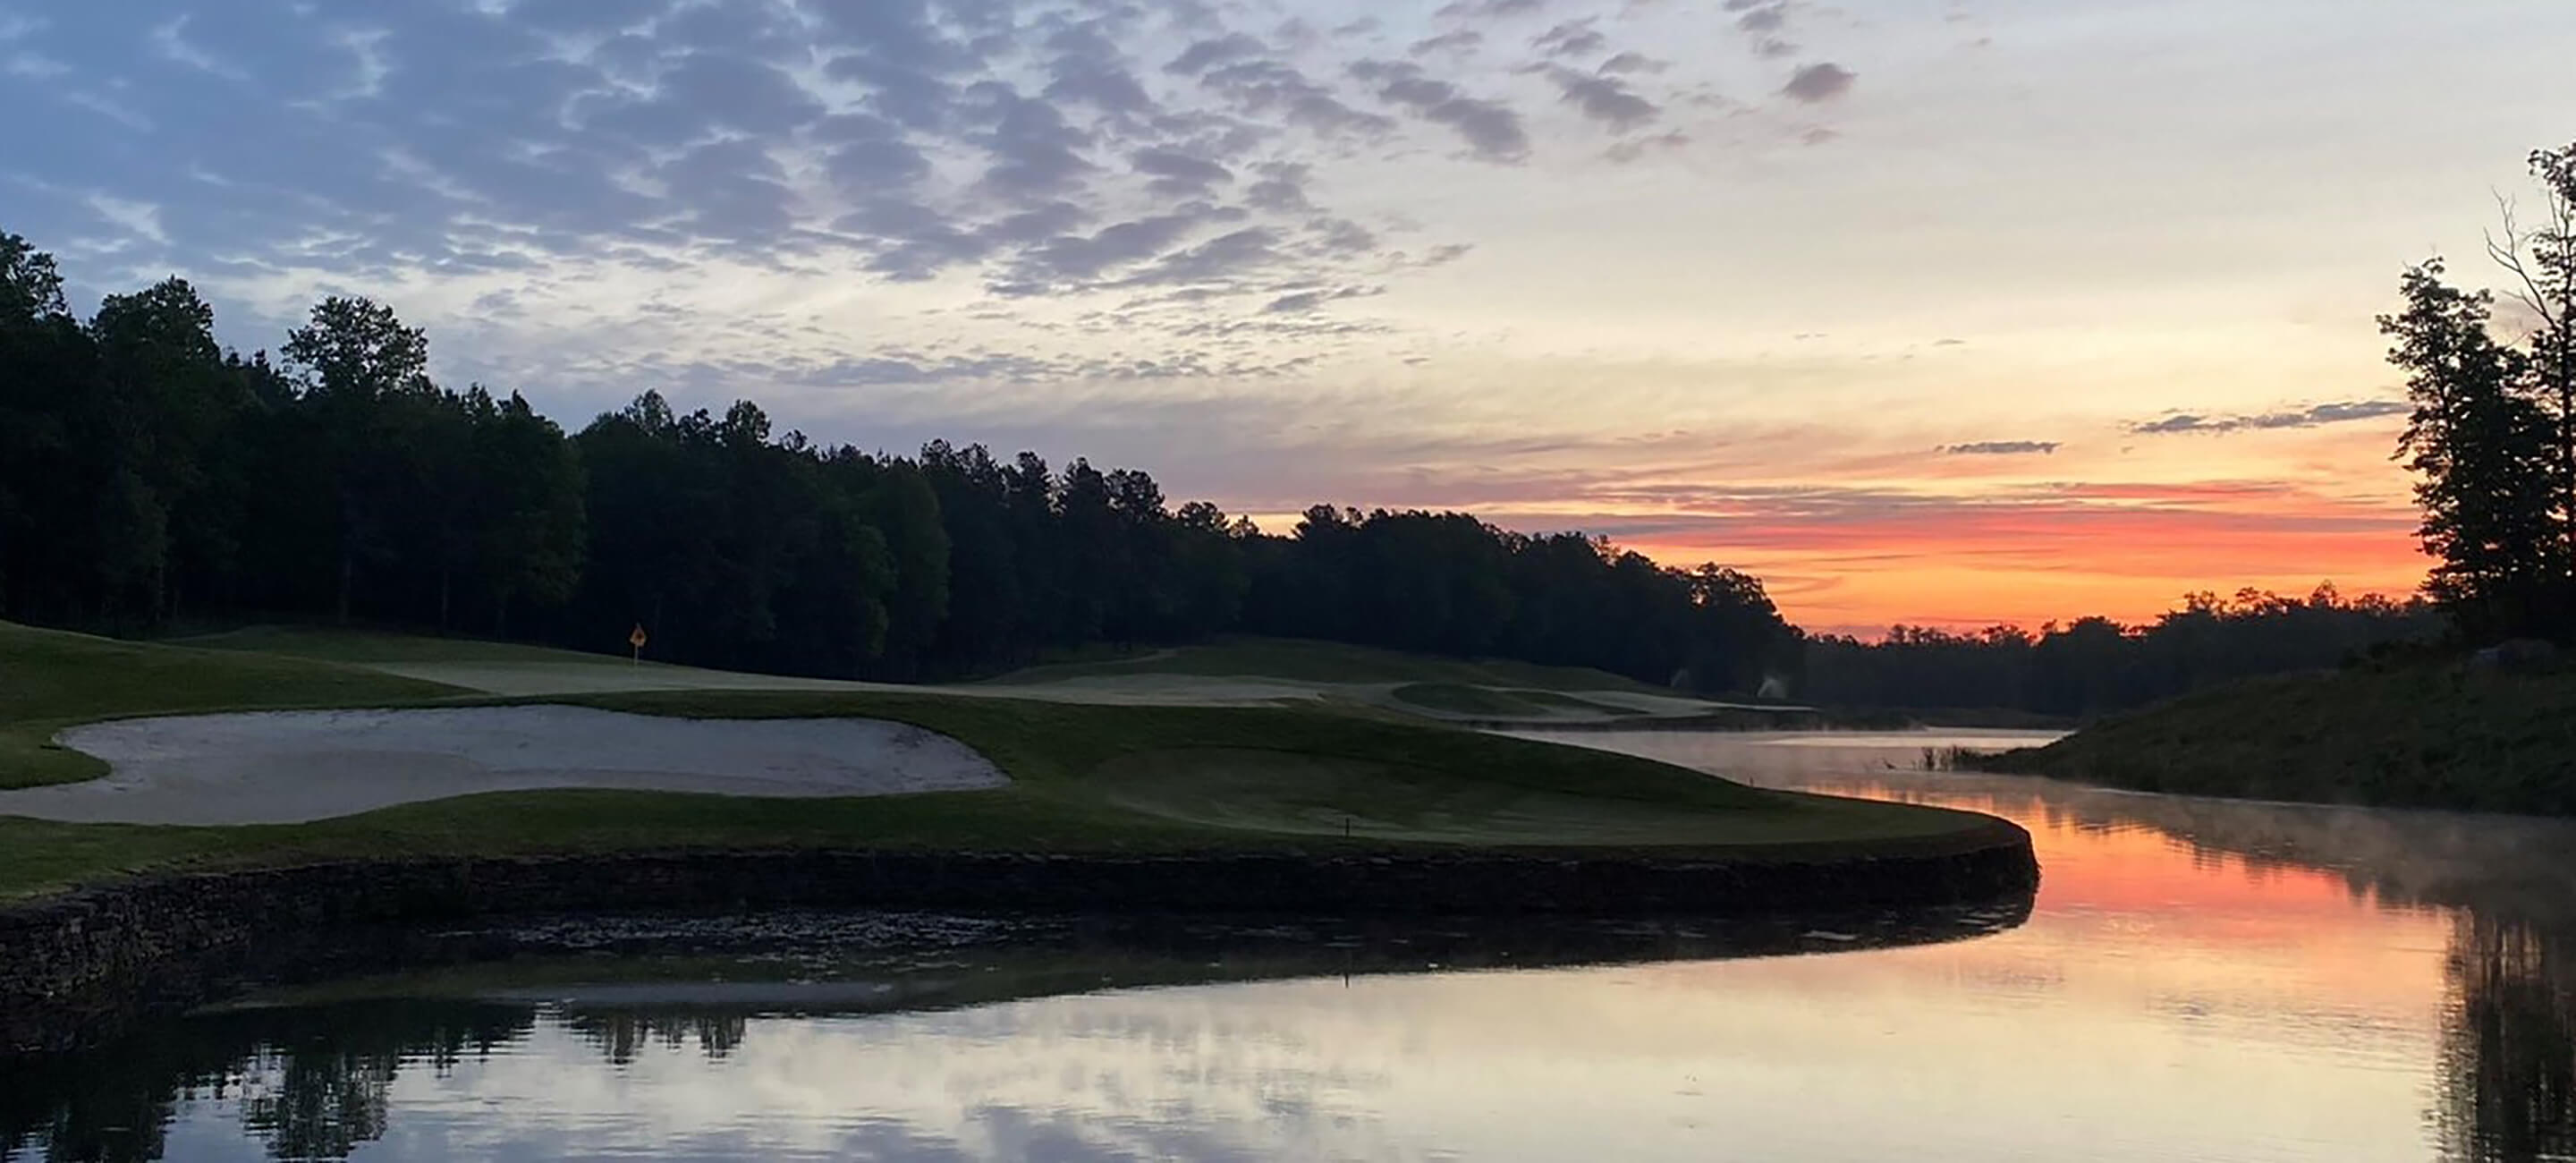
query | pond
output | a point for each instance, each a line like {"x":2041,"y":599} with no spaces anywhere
{"x":2197,"y":980}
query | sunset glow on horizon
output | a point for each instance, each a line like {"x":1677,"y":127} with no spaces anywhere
{"x":1936,"y":312}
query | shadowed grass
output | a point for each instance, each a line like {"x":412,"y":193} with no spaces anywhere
{"x":332,"y":644}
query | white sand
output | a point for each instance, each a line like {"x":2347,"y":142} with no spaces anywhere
{"x":287,"y":766}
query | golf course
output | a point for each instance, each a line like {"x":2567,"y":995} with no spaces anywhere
{"x":483,"y":750}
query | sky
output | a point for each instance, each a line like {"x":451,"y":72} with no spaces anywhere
{"x":1945,"y":312}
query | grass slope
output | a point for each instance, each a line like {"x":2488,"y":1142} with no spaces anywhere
{"x":2420,"y":736}
{"x":1086,"y":778}
{"x":51,"y":679}
{"x":1311,"y":661}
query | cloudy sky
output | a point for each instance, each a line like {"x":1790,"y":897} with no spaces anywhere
{"x":1946,"y":311}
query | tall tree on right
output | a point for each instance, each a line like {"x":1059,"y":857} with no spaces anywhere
{"x":2492,"y":438}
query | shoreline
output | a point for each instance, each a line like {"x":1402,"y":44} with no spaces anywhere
{"x":80,"y":967}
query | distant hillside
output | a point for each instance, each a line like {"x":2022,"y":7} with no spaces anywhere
{"x":2443,"y":735}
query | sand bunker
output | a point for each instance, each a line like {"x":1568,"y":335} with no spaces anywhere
{"x":288,"y":766}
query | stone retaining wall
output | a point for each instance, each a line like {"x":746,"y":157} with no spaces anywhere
{"x":83,"y":966}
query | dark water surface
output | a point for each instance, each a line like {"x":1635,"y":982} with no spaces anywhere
{"x":2198,"y":980}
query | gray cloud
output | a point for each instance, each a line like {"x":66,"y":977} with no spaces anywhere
{"x":1574,"y":38}
{"x":1476,"y":9}
{"x":1461,"y":41}
{"x":869,"y":153}
{"x":1035,"y":151}
{"x":1176,"y":159}
{"x":1634,"y":62}
{"x":1099,"y":81}
{"x":1219,"y":259}
{"x":1604,"y":99}
{"x":1281,"y":188}
{"x":1302,"y":302}
{"x":1767,"y":19}
{"x":1637,"y":148}
{"x":1818,"y":83}
{"x":740,"y":192}
{"x":1491,"y":128}
{"x":738,"y":94}
{"x":912,"y":241}
{"x":1201,"y":56}
{"x":2314,"y":415}
{"x":1079,"y":258}
{"x":2002,"y":448}
{"x":1264,"y":87}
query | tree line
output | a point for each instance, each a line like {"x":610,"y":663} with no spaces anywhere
{"x":151,"y":479}
{"x":2094,"y":665}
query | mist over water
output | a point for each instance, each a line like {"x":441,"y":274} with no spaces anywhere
{"x":2198,"y":980}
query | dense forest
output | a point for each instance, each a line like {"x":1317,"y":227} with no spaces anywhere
{"x":2095,"y":665}
{"x":150,"y":479}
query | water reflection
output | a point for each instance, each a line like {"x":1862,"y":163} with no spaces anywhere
{"x":2508,"y":1044}
{"x":391,"y":1063}
{"x":2505,"y":888}
{"x":2198,"y":980}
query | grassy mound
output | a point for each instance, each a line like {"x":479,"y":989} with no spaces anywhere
{"x":2445,"y":736}
{"x":50,"y":679}
{"x":1085,"y":778}
{"x":1310,"y":661}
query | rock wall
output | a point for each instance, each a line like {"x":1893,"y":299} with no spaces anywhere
{"x":85,"y":965}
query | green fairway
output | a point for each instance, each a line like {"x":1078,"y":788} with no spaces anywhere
{"x":50,"y":679}
{"x":1084,"y":778}
{"x":1332,"y":662}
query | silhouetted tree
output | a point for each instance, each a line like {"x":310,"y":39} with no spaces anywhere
{"x":2479,"y":446}
{"x":2493,"y":435}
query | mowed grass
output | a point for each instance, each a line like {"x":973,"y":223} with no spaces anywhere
{"x":333,"y":644}
{"x":1086,"y":778}
{"x":1303,"y":660}
{"x":51,"y":679}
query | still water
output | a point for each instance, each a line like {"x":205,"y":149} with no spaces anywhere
{"x":2198,"y":980}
